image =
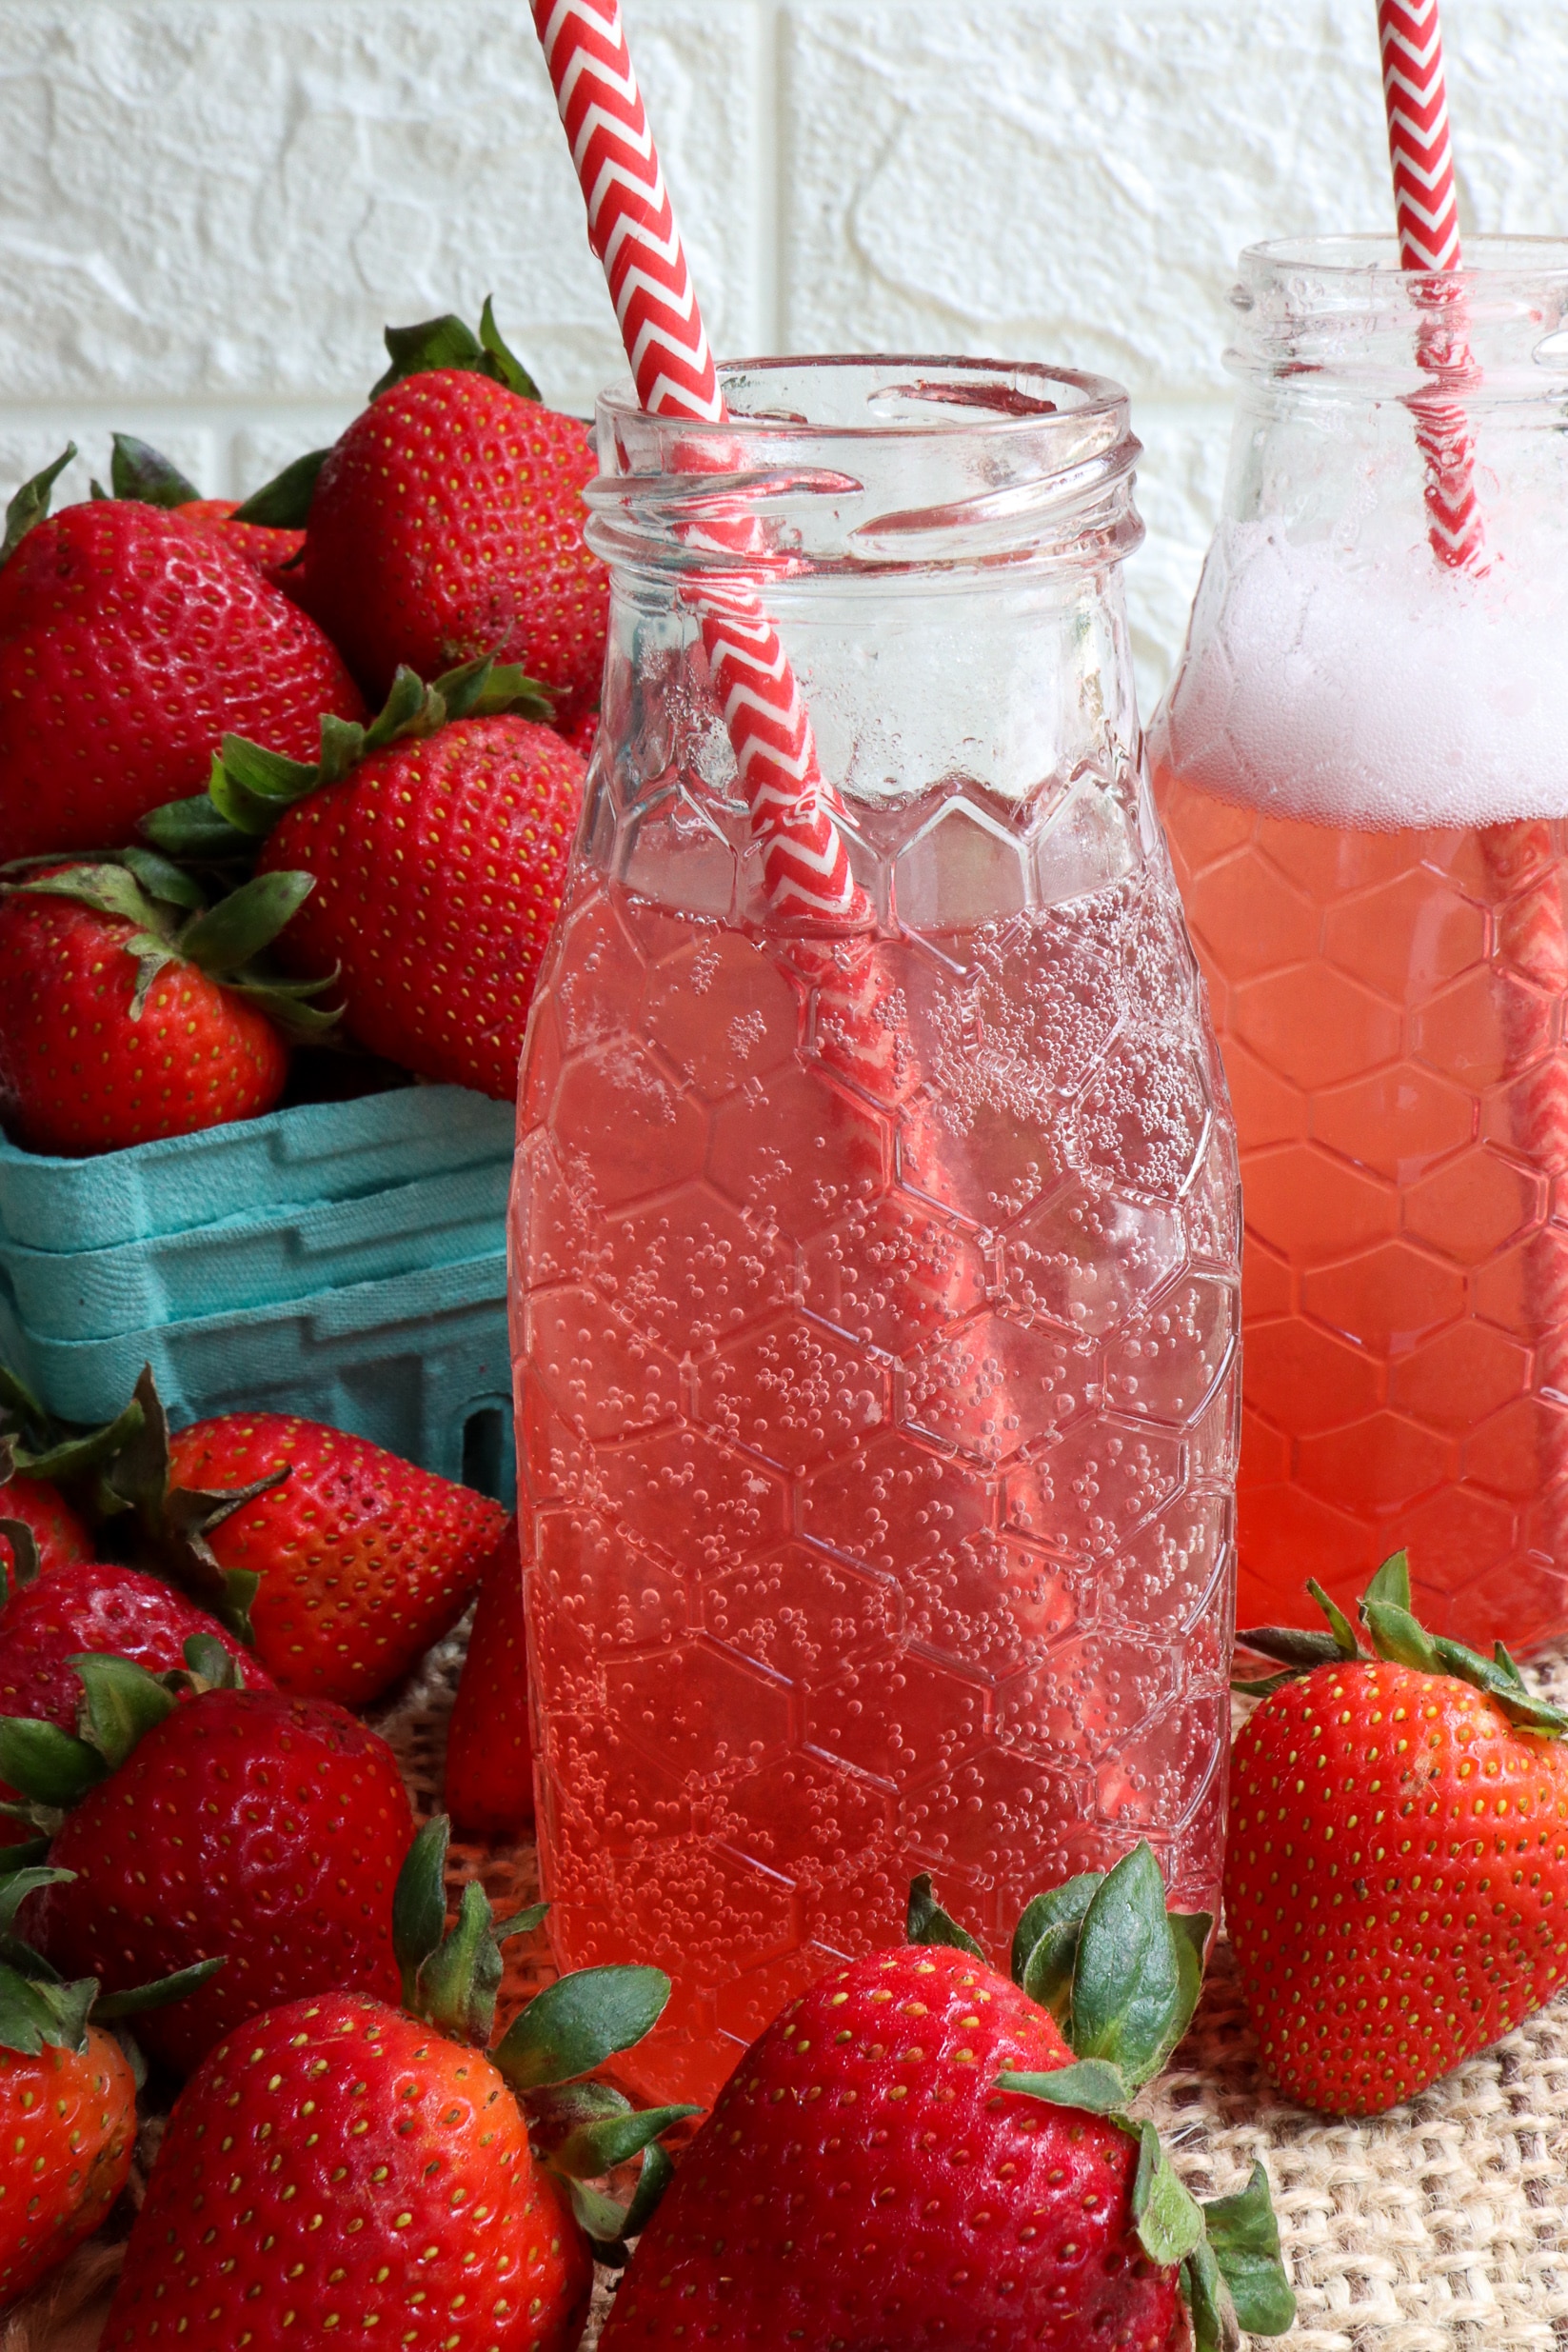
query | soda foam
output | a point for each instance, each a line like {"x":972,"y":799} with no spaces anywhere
{"x":1374,"y":693}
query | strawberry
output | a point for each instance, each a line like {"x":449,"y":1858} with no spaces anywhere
{"x":128,"y":642}
{"x":447,"y":523}
{"x":344,"y":2168}
{"x":245,"y":1824}
{"x":143,"y":472}
{"x":1395,"y":1876}
{"x":489,"y":1756}
{"x":916,"y":2154}
{"x":68,"y":2098}
{"x":363,"y":1560}
{"x":35,"y":1517}
{"x":131,"y":1009}
{"x":439,"y":839}
{"x":96,"y":1606}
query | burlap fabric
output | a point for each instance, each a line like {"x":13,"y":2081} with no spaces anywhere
{"x":1442,"y":2227}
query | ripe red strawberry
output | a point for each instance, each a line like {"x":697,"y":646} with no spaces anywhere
{"x":94,"y":1605}
{"x":127,"y":1013}
{"x":489,"y":1756}
{"x":439,"y":867}
{"x":1396,"y":1880}
{"x":910,"y":2156}
{"x":447,"y":523}
{"x":59,"y":1533}
{"x":246,"y":1825}
{"x":67,"y":2097}
{"x":68,"y":2126}
{"x":364,"y":1558}
{"x":344,"y":2168}
{"x":128,"y":643}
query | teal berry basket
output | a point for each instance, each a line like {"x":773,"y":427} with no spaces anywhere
{"x":345,"y":1260}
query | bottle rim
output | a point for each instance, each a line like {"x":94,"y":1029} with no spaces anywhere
{"x":870,"y":461}
{"x":1371,"y":257}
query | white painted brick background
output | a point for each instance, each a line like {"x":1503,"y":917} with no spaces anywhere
{"x":209,"y":208}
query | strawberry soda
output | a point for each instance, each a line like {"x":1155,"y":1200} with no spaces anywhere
{"x":1363,"y":772}
{"x":875,"y":1298}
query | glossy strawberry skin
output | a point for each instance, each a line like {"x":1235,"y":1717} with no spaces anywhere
{"x":60,"y":1534}
{"x":861,"y":2183}
{"x":269,"y":550}
{"x":439,"y":868}
{"x":268,"y":1828}
{"x":93,"y":1606}
{"x":79,"y":1075}
{"x":489,"y":1755}
{"x":67,"y":2129}
{"x":1396,"y":1885}
{"x":365,"y":1560}
{"x":129,"y":643}
{"x":339,"y":2167}
{"x":447,"y":523}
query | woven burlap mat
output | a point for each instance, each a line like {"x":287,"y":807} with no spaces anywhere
{"x":1442,"y":2227}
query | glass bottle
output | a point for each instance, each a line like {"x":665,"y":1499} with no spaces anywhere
{"x":1363,"y":767}
{"x":875,"y":1299}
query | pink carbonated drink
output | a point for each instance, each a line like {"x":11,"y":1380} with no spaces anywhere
{"x":875,"y":1311}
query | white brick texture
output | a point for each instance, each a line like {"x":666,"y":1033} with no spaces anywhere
{"x":209,"y":208}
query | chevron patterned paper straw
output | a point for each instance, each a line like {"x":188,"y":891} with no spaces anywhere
{"x":1426,"y":210}
{"x":631,"y":227}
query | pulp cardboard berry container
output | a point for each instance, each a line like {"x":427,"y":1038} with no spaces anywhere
{"x":342,"y":1260}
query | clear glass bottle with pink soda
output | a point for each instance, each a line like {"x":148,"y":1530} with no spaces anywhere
{"x":874,"y":1297}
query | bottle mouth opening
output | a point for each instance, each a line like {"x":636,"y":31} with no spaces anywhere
{"x":880,"y":462}
{"x":1331,"y":313}
{"x":1370,"y":260}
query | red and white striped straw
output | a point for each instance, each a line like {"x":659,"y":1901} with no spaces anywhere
{"x":631,"y":226}
{"x":1427,"y":210}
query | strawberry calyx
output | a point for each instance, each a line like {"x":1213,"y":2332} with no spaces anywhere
{"x":139,"y":472}
{"x":53,"y":1770}
{"x":123,"y":1472}
{"x":33,"y":1443}
{"x":39,"y":2008}
{"x":1122,"y":1974}
{"x":250,"y":788}
{"x":174,"y":923}
{"x":1395,"y":1634}
{"x":580,"y":2129}
{"x":30,"y":505}
{"x":448,"y":342}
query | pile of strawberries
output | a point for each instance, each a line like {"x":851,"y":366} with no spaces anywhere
{"x":208,"y":1849}
{"x":210,"y":852}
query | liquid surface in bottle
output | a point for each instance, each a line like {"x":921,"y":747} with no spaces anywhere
{"x":1390,"y":1007}
{"x":876,"y":1336}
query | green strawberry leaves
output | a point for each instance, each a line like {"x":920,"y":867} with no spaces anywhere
{"x":575,"y":2024}
{"x":449,"y":1978}
{"x":250,"y":788}
{"x":1122,"y":1975}
{"x":139,"y":472}
{"x":1244,"y":2232}
{"x":284,"y":504}
{"x":581,"y":2129}
{"x":448,"y":342}
{"x":30,"y":505}
{"x":174,"y":924}
{"x":1398,"y":1635}
{"x":927,"y":1923}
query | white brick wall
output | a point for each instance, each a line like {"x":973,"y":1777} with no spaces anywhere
{"x":208,"y":208}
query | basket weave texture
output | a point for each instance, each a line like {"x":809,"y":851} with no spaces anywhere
{"x":1440,"y":2227}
